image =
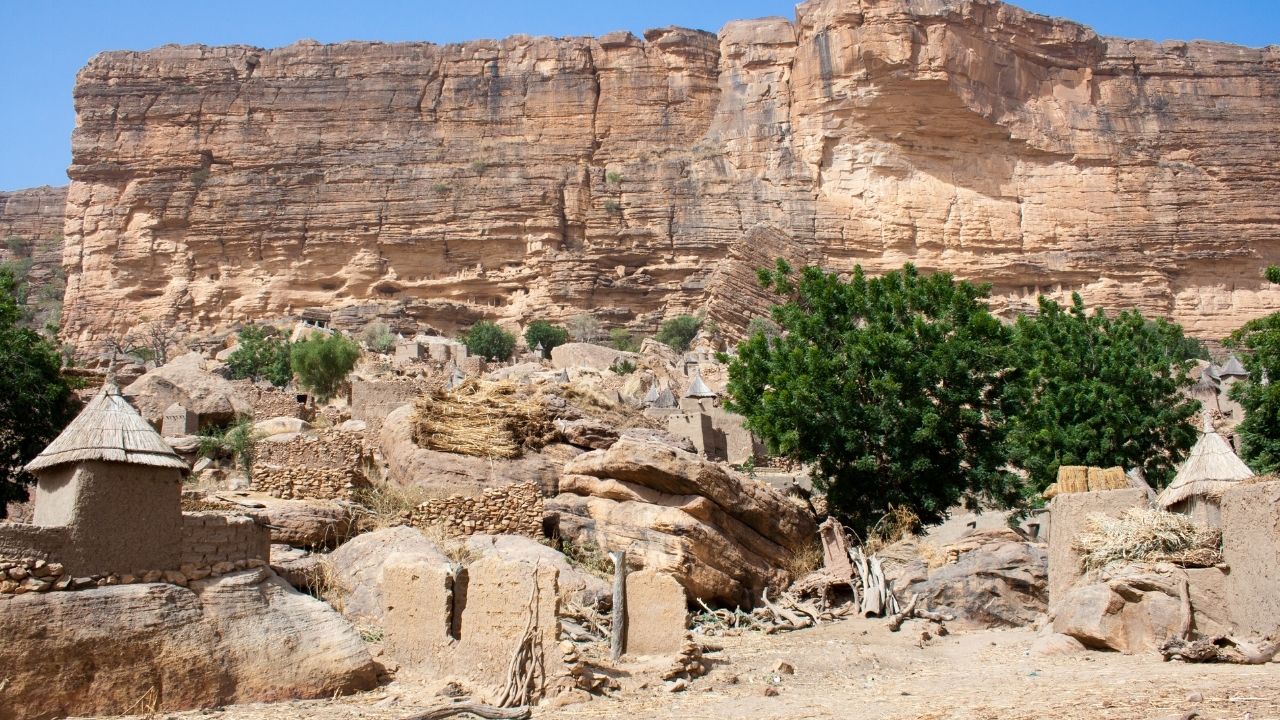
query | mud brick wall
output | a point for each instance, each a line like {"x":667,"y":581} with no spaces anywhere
{"x":509,"y":510}
{"x":209,"y":538}
{"x":373,"y":400}
{"x":270,"y":402}
{"x":305,"y":483}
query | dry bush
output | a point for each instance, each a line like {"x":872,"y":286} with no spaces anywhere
{"x":806,"y":561}
{"x":1145,"y":535}
{"x":323,"y":583}
{"x":588,"y":557}
{"x":900,"y":522}
{"x":483,"y":419}
{"x":387,"y":505}
{"x":453,"y":547}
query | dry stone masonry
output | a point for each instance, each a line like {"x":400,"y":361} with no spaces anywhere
{"x":508,"y":510}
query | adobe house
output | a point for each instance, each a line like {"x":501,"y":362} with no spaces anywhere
{"x":716,"y":433}
{"x":108,"y":495}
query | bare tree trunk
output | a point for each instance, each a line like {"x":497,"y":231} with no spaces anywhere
{"x":616,"y":643}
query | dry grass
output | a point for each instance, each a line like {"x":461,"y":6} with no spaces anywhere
{"x":900,"y":522}
{"x":388,"y":505}
{"x":588,"y":557}
{"x":806,"y":561}
{"x":1142,"y":535}
{"x":483,"y":419}
{"x":454,"y":547}
{"x":323,"y":583}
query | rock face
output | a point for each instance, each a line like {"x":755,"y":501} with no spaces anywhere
{"x":723,"y":537}
{"x":244,"y":637}
{"x":639,"y":178}
{"x":186,"y":381}
{"x":31,"y":231}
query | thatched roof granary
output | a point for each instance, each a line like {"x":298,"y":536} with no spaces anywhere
{"x":108,"y":429}
{"x":1211,"y":467}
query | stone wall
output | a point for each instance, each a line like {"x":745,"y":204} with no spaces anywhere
{"x":32,"y":541}
{"x":299,"y":483}
{"x":325,"y":450}
{"x":212,"y":538}
{"x":272,"y":402}
{"x":373,"y":400}
{"x":509,"y":510}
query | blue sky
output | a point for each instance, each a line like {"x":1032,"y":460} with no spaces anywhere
{"x":43,"y":43}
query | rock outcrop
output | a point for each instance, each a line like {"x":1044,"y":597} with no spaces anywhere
{"x":31,"y":230}
{"x":725,"y":538}
{"x":244,"y":637}
{"x":639,"y":178}
{"x":187,"y":381}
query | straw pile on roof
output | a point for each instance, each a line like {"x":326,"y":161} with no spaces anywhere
{"x":483,"y":419}
{"x":108,"y":429}
{"x":1080,"y":478}
{"x":1147,"y":535}
{"x":1211,"y":467}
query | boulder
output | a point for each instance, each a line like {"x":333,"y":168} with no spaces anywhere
{"x":585,"y":355}
{"x":576,"y":586}
{"x":722,"y":536}
{"x":1056,"y":644}
{"x":280,"y":425}
{"x":444,"y":474}
{"x":1132,"y":609}
{"x":189,"y":381}
{"x":992,"y":578}
{"x":662,"y":437}
{"x":184,"y":444}
{"x":587,"y":433}
{"x":300,"y":568}
{"x":243,"y":637}
{"x":356,"y":567}
{"x":307,"y":523}
{"x":353,"y":426}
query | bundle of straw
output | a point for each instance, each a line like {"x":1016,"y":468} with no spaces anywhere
{"x":1145,"y":535}
{"x":483,"y":419}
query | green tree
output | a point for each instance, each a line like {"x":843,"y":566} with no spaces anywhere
{"x":1097,"y":390}
{"x":679,"y":332}
{"x":622,"y":339}
{"x":489,"y":341}
{"x":1259,"y":394}
{"x":550,"y":336}
{"x":322,"y":361}
{"x":378,"y":337}
{"x":888,"y":386}
{"x":36,"y":402}
{"x":261,"y":354}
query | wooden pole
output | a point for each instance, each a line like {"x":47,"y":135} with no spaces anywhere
{"x":616,"y":643}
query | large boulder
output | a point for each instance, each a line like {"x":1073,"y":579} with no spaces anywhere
{"x":585,"y":355}
{"x":307,"y":523}
{"x":991,"y":578}
{"x":243,"y":637}
{"x":356,"y":567}
{"x":723,"y":536}
{"x":444,"y":474}
{"x":1136,"y":608}
{"x":587,"y":433}
{"x":189,"y":381}
{"x":576,"y":586}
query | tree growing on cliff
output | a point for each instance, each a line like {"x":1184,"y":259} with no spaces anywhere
{"x":261,"y":354}
{"x":679,"y":332}
{"x":35,"y":401}
{"x":1096,"y":390}
{"x":1258,"y":341}
{"x":489,"y":341}
{"x":546,"y":334}
{"x":322,"y":361}
{"x":888,"y":386}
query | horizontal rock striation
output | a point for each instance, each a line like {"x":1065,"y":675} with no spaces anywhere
{"x":640,"y":178}
{"x":31,"y":230}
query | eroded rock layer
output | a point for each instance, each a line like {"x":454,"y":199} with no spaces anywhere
{"x":639,"y":178}
{"x":31,"y":228}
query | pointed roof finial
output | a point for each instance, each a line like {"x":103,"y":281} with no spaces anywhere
{"x":1206,"y":421}
{"x":698,"y":388}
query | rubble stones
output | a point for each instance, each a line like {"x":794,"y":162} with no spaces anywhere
{"x":509,"y":510}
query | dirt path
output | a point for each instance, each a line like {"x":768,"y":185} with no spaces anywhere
{"x":857,"y":668}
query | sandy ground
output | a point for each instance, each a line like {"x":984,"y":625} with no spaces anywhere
{"x":856,"y":668}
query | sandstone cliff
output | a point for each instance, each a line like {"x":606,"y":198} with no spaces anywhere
{"x":642,"y":178}
{"x":31,"y":228}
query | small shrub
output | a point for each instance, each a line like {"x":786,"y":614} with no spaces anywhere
{"x":679,"y":332}
{"x":238,"y":443}
{"x":622,"y":339}
{"x":763,"y":326}
{"x":387,"y":505}
{"x":489,"y":341}
{"x":805,"y":561}
{"x":440,"y":188}
{"x":378,"y":337}
{"x":588,"y":557}
{"x":479,"y":166}
{"x":612,"y":177}
{"x":612,"y":206}
{"x":322,"y":362}
{"x":200,"y":177}
{"x":15,"y":244}
{"x":584,"y":328}
{"x":550,"y":336}
{"x":623,"y":366}
{"x":1272,"y":274}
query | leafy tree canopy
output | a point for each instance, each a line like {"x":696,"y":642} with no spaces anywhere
{"x":261,"y":354}
{"x":489,"y":341}
{"x":36,"y":403}
{"x":1097,"y":390}
{"x":322,"y":361}
{"x":541,"y":331}
{"x":679,"y":332}
{"x":889,"y":386}
{"x":1259,"y":394}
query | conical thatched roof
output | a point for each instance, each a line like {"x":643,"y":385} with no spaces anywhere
{"x":698,"y":388}
{"x":1233,"y":368}
{"x":1211,"y":467}
{"x":108,"y":429}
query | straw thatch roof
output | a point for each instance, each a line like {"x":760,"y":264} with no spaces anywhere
{"x":1233,"y":368}
{"x":698,"y":388}
{"x":1211,"y":467}
{"x":108,"y":429}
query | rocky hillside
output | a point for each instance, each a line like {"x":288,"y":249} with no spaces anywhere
{"x":31,"y":230}
{"x":638,"y":178}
